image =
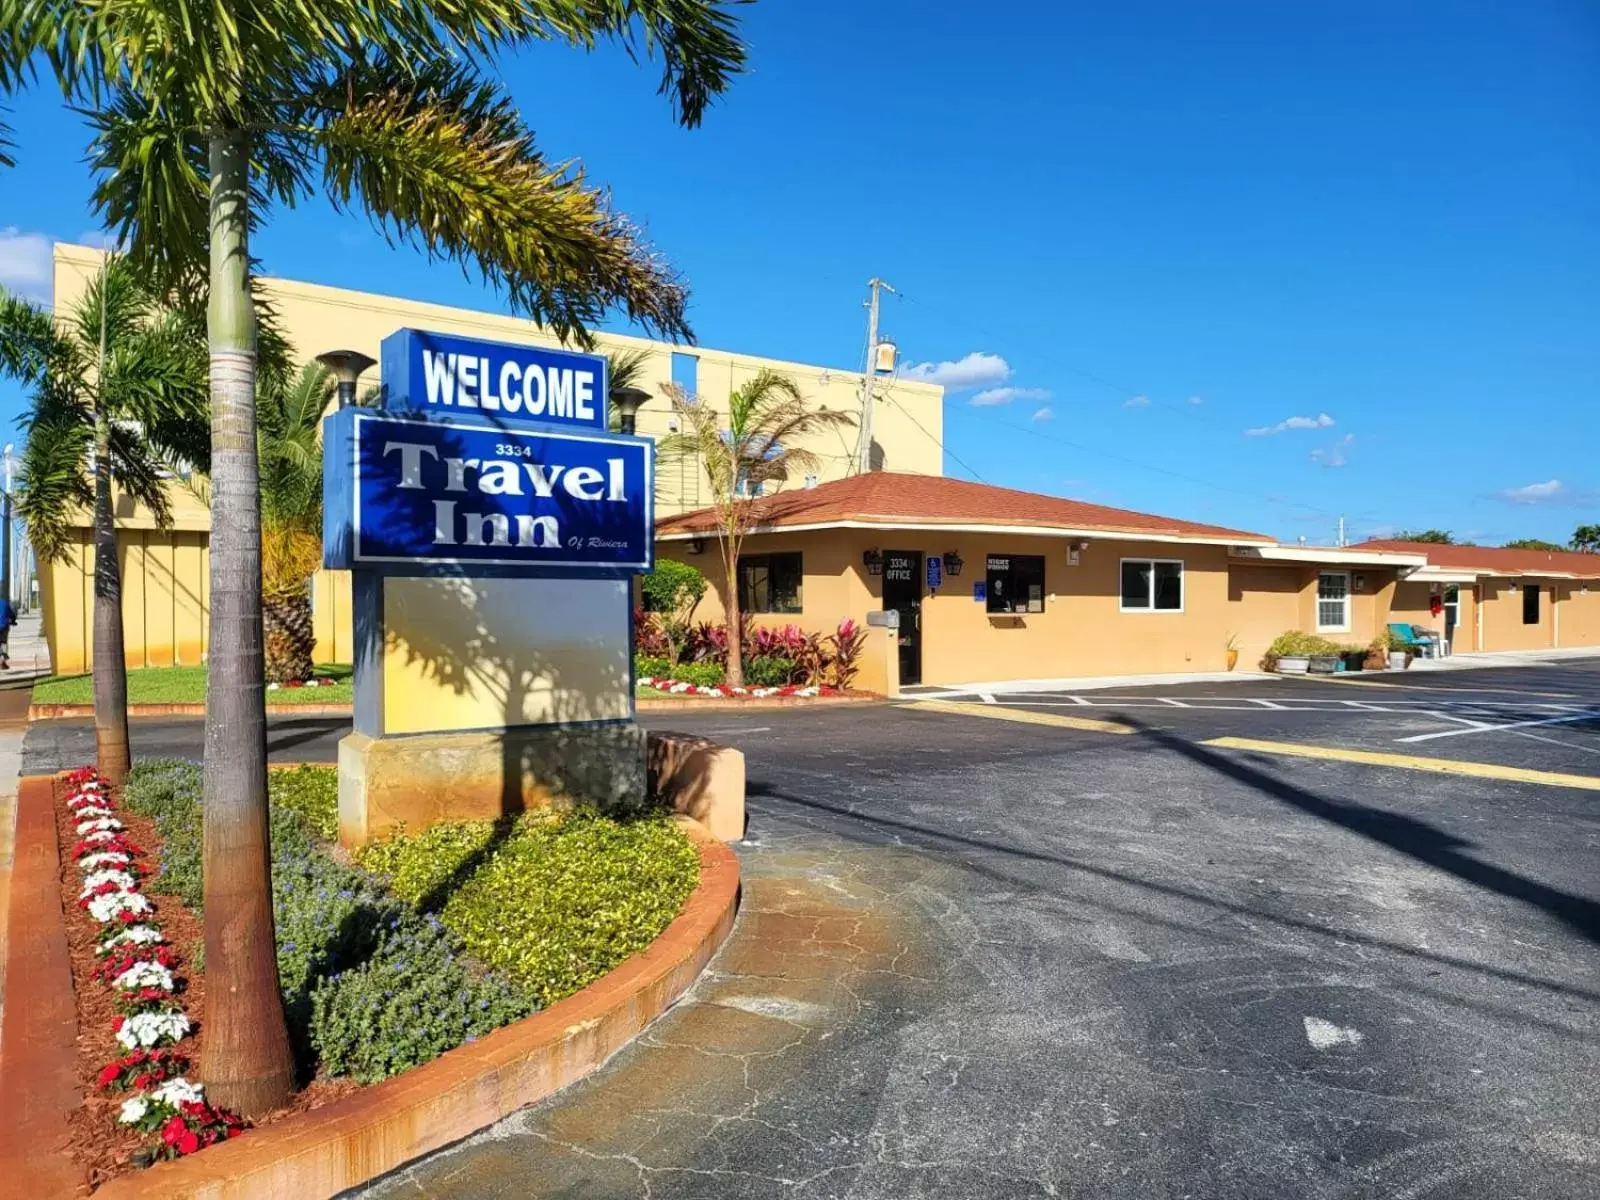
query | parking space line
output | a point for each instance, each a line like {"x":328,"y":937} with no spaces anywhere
{"x":1410,"y":762}
{"x":1022,"y":716}
{"x":1346,"y":681}
{"x":1591,"y":715}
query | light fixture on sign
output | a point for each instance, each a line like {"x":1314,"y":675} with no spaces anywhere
{"x":952,"y":563}
{"x":873,"y":561}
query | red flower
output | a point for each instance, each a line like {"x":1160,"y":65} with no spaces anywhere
{"x":116,"y":1026}
{"x":173,"y":1130}
{"x":187,"y":1142}
{"x":108,"y":1076}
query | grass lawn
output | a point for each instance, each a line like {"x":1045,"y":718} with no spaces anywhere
{"x":187,"y":685}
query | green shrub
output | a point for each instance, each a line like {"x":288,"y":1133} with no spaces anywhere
{"x":673,"y":588}
{"x":313,"y":792}
{"x":556,"y":900}
{"x":1295,"y":644}
{"x":701,"y":674}
{"x":769,"y":670}
{"x":415,"y":997}
{"x":651,"y":666}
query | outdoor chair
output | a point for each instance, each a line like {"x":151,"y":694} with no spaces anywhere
{"x":1422,"y":642}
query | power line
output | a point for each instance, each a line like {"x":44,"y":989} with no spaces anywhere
{"x":943,"y":449}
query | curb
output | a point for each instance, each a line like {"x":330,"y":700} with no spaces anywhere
{"x":729,"y":703}
{"x":365,"y":1135}
{"x":38,"y":1043}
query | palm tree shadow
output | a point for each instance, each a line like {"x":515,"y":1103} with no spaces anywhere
{"x":1414,"y":838}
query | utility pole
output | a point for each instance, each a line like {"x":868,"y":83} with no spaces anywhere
{"x":865,"y":463}
{"x":5,"y":535}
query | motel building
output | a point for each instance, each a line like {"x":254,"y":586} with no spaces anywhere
{"x":990,"y":584}
{"x":996,"y":585}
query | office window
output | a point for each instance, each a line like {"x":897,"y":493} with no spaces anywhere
{"x":1152,"y":585}
{"x":1333,"y":601}
{"x":1014,"y":583}
{"x":769,"y":583}
{"x":1530,"y":604}
{"x":686,"y":372}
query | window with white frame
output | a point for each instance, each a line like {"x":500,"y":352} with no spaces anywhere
{"x":1152,"y":585}
{"x":1333,"y":601}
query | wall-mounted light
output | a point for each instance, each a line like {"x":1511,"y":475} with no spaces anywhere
{"x":1359,"y":582}
{"x":952,"y":563}
{"x":873,"y":561}
{"x":697,"y":545}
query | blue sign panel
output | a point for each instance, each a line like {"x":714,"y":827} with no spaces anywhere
{"x":499,"y":383}
{"x":935,"y":572}
{"x":408,"y":496}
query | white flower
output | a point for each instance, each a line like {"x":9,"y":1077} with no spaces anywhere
{"x":179,"y":1091}
{"x":133,"y":1110}
{"x":98,"y":825}
{"x":99,"y":835}
{"x":103,"y":858}
{"x":91,"y":811}
{"x":138,"y":935}
{"x":109,"y":907}
{"x":143,"y":975}
{"x":144,"y":1030}
{"x":124,"y":881}
{"x":272,"y":687}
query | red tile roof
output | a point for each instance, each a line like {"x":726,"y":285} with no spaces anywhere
{"x":894,"y":499}
{"x":1494,"y":560}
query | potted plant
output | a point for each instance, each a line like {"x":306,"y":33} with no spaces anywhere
{"x":1290,"y":653}
{"x":1377,"y":658}
{"x":1231,"y":650}
{"x":1399,"y":653}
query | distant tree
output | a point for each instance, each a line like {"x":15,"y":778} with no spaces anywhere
{"x":1532,"y":544}
{"x":672,"y":591}
{"x":766,"y":417}
{"x":1436,"y":537}
{"x":1587,"y":539}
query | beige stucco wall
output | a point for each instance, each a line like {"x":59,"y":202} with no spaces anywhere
{"x":1082,"y":630}
{"x":315,"y":319}
{"x":1503,"y":628}
{"x":1580,"y":613}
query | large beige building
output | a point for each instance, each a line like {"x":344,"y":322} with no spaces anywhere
{"x":165,"y":571}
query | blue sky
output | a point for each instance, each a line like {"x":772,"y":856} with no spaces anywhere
{"x":1252,"y":263}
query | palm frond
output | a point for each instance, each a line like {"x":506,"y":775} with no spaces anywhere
{"x":288,"y":425}
{"x":28,"y":339}
{"x":441,"y":160}
{"x":53,"y":487}
{"x":137,"y":469}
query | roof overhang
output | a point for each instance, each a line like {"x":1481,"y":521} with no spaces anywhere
{"x":1445,"y":575}
{"x":1342,"y":556}
{"x":894,"y":524}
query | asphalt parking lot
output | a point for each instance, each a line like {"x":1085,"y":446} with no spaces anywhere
{"x":1124,"y":944}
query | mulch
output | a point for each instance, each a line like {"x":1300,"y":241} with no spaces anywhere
{"x":98,"y":1143}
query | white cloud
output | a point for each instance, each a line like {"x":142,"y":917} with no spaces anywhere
{"x":977,"y":369}
{"x":1044,"y":414}
{"x":26,"y":265}
{"x":1535,"y":493}
{"x":1138,"y":402}
{"x":1333,"y":456}
{"x":1320,"y":421}
{"x":1197,"y":399}
{"x":99,"y":239}
{"x":1005,"y":395}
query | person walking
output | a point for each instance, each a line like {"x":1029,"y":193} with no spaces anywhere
{"x":8,"y":618}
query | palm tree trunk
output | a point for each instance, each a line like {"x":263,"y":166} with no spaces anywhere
{"x":734,"y":675}
{"x":110,"y":667}
{"x":246,"y":1062}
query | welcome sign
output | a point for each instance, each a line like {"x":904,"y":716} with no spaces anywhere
{"x":438,"y":375}
{"x":422,"y":496}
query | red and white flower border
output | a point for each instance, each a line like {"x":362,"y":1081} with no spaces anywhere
{"x":677,"y":687}
{"x":138,"y":963}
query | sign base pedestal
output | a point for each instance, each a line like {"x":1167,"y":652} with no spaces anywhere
{"x":424,"y":779}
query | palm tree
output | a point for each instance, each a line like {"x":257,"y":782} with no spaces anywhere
{"x":206,"y":114}
{"x":119,"y":381}
{"x":288,"y":424}
{"x":624,"y":369}
{"x":766,"y":417}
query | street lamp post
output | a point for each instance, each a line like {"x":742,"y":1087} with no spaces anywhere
{"x":347,"y":366}
{"x":6,"y":460}
{"x":627,"y":401}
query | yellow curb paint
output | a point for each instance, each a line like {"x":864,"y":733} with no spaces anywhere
{"x":1410,"y":762}
{"x":1021,"y":716}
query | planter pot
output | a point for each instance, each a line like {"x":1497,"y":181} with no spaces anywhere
{"x":1324,"y":664}
{"x":1233,"y":659}
{"x":1399,"y":660}
{"x":1293,"y":664}
{"x":1356,"y":660}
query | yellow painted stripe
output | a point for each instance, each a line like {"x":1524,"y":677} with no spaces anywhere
{"x":1021,"y":715}
{"x":1410,"y":762}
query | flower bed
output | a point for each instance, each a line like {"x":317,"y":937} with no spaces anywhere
{"x":136,"y":1032}
{"x":373,"y":982}
{"x":678,"y":687}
